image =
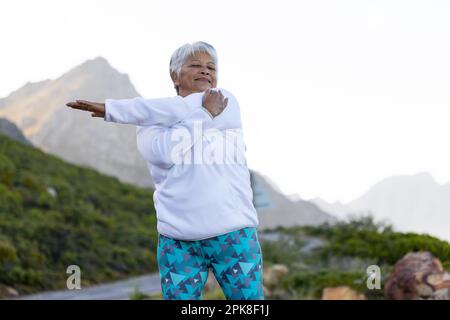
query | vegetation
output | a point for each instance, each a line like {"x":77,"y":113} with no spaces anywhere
{"x":139,"y":295}
{"x":366,"y":239}
{"x":349,"y":248}
{"x":54,"y":214}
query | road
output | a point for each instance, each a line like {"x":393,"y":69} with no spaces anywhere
{"x":120,"y":290}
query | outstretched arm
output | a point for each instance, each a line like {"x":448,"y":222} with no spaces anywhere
{"x":146,"y":112}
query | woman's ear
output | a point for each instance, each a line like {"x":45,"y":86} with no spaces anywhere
{"x":175,"y":80}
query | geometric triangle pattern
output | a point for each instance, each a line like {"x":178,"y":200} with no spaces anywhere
{"x":235,"y":259}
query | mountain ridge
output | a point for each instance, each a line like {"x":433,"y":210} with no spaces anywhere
{"x":414,"y":202}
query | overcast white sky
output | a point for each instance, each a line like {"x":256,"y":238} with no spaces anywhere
{"x":335,"y":95}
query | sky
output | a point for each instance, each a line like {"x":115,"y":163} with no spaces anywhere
{"x":335,"y":95}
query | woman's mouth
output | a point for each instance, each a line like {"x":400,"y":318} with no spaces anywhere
{"x":204,"y":80}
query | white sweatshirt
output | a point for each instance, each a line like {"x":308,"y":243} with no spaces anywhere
{"x":198,"y":165}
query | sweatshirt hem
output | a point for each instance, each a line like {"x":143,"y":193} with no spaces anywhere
{"x":208,"y":237}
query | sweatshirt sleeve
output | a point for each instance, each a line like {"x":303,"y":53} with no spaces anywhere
{"x":146,"y":112}
{"x":164,"y":147}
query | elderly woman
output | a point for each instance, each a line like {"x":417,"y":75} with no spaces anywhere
{"x":194,"y":149}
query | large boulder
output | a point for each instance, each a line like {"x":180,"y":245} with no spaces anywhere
{"x":418,"y":275}
{"x":211,"y":283}
{"x":273,"y":274}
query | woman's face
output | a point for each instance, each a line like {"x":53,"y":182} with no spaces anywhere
{"x":197,"y":74}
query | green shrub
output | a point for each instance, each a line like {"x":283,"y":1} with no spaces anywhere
{"x":283,"y":252}
{"x":7,"y":252}
{"x":310,"y":285}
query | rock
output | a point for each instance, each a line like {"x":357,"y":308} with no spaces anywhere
{"x":8,"y":292}
{"x":342,"y":293}
{"x":211,"y":284}
{"x":273,"y":274}
{"x":418,"y":275}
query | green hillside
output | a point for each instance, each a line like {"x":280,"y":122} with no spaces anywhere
{"x":54,"y":214}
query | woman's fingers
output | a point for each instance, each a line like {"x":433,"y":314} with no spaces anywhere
{"x":78,"y":105}
{"x":85,"y":105}
{"x":220,"y":97}
{"x":97,"y":109}
{"x":75,"y":105}
{"x":88,"y":105}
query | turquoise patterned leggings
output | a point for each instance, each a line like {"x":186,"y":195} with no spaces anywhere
{"x":235,"y":259}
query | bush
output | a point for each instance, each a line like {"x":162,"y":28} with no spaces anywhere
{"x":279,"y":252}
{"x":310,"y":285}
{"x":7,"y":252}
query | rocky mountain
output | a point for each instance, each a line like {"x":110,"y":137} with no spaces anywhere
{"x":10,"y":129}
{"x":276,"y":209}
{"x":39,"y":111}
{"x":414,"y":203}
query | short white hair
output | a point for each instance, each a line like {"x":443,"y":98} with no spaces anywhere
{"x":180,"y":55}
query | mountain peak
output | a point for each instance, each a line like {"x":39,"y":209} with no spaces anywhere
{"x":398,"y":181}
{"x":97,"y":61}
{"x":98,"y":73}
{"x":94,"y":66}
{"x":424,"y":176}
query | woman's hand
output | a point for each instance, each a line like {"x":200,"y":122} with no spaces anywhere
{"x":97,"y":109}
{"x":214,"y":102}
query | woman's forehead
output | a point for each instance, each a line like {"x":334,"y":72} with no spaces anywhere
{"x":200,"y":56}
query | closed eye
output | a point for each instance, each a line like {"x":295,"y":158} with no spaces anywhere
{"x":197,"y":65}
